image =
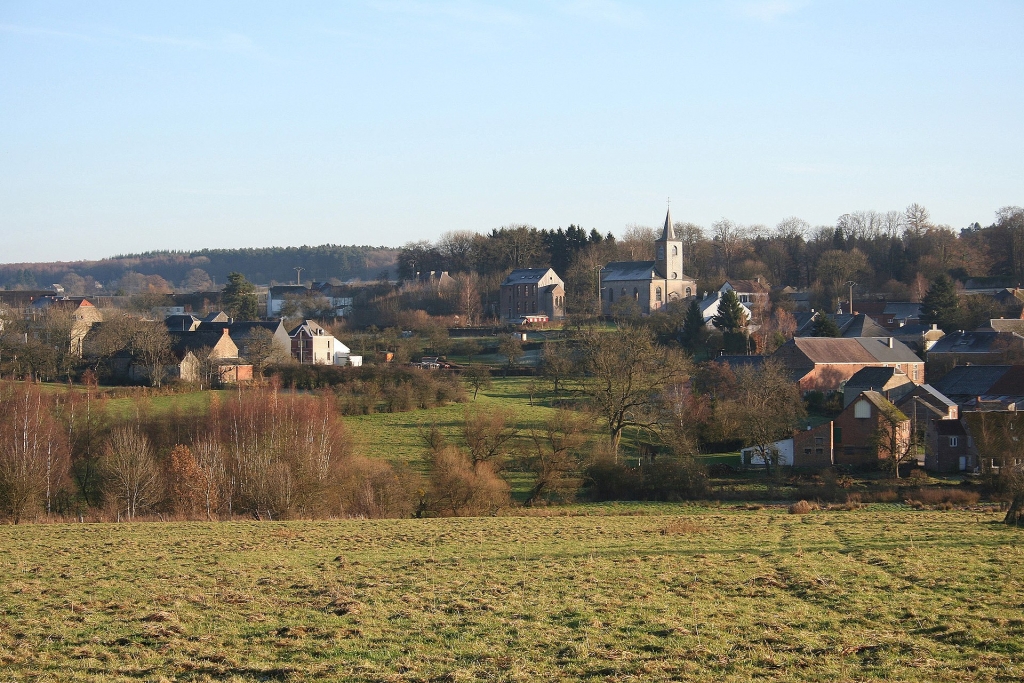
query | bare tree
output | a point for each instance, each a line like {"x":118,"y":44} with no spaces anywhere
{"x":769,"y":405}
{"x":625,"y":374}
{"x":209,"y":460}
{"x":131,"y":470}
{"x":726,"y":236}
{"x":262,"y":350}
{"x":488,"y":435}
{"x":894,"y":440}
{"x":917,"y":219}
{"x":637,"y":243}
{"x":33,"y":449}
{"x":555,"y":458}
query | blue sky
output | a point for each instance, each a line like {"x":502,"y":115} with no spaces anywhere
{"x":134,"y":126}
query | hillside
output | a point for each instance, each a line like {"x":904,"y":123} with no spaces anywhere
{"x":264,"y":265}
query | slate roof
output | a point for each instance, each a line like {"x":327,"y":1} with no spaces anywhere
{"x":525,"y":276}
{"x":950,"y":428}
{"x":859,"y":325}
{"x":748,"y":286}
{"x":183,"y":342}
{"x":934,"y":396}
{"x":181,"y":323}
{"x":1007,"y":325}
{"x":241,"y":329}
{"x":855,"y":350}
{"x":1010,"y":384}
{"x":902,"y":310}
{"x":804,"y":321}
{"x":970,"y":380}
{"x":978,"y":341}
{"x":628,"y":270}
{"x":874,"y":378}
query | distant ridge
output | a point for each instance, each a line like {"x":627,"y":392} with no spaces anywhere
{"x":260,"y":265}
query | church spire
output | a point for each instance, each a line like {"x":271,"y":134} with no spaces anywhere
{"x":669,"y":233}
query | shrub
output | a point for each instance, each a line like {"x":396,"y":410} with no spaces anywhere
{"x":665,"y":479}
{"x":802,"y":507}
{"x":944,"y":495}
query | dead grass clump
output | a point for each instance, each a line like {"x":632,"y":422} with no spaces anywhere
{"x":159,"y":616}
{"x":883,"y":496}
{"x":681,"y":527}
{"x":802,"y":508}
{"x":953,"y":496}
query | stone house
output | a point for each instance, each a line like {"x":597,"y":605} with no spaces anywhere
{"x":532,"y":293}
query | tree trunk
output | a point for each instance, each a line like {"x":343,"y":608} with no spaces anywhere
{"x":1015,"y":515}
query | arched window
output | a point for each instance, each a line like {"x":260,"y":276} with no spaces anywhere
{"x":636,"y":294}
{"x":675,"y":276}
{"x":689,"y":292}
{"x":675,"y":251}
{"x":657,"y":294}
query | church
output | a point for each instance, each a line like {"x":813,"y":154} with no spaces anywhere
{"x":652,"y":284}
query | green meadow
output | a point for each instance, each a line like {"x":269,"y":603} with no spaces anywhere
{"x":604,"y":593}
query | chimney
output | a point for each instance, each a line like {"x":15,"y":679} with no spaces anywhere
{"x":890,"y":342}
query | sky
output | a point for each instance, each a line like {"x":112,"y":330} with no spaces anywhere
{"x":127,"y":127}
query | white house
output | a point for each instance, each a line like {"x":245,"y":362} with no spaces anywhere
{"x":709,"y":307}
{"x":751,"y":456}
{"x":313,"y":345}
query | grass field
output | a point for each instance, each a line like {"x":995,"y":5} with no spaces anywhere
{"x":660,"y":593}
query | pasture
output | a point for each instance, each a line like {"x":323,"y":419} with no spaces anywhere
{"x":604,"y":593}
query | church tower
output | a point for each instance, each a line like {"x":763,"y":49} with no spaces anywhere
{"x":669,"y":252}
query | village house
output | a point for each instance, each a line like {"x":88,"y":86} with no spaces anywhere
{"x":824,"y":363}
{"x":980,"y":347}
{"x":313,"y":345}
{"x":192,"y":350}
{"x":947,"y":442}
{"x":891,"y":382}
{"x":852,"y":438}
{"x":532,"y":295}
{"x":82,"y":313}
{"x":984,"y":387}
{"x":650,"y":284}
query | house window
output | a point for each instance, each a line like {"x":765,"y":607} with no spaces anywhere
{"x":819,"y":451}
{"x":807,"y":451}
{"x":657,"y":294}
{"x":839,"y":434}
{"x":689,"y":292}
{"x":953,"y":441}
{"x":819,"y":441}
{"x":862,"y":409}
{"x":915,"y":373}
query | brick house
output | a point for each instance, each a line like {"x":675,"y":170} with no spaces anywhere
{"x":950,"y":448}
{"x":851,"y":439}
{"x":824,"y":363}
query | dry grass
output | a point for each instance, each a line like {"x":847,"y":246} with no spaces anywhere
{"x":659,"y":593}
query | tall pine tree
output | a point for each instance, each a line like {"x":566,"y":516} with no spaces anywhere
{"x":694,"y":330}
{"x":825,"y":326}
{"x":730,"y":317}
{"x":239,"y":298}
{"x":940,"y":306}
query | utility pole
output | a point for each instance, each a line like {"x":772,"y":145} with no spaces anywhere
{"x":851,"y":285}
{"x":599,"y":307}
{"x":298,"y":274}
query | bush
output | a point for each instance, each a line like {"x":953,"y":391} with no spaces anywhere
{"x":802,"y":507}
{"x":943,"y":496}
{"x":668,"y":479}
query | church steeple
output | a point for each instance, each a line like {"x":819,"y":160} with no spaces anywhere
{"x":669,"y":251}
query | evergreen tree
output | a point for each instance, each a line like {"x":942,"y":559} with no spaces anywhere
{"x":239,"y":298}
{"x":730,"y":317}
{"x":825,"y":326}
{"x":694,"y":330}
{"x":940,"y":305}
